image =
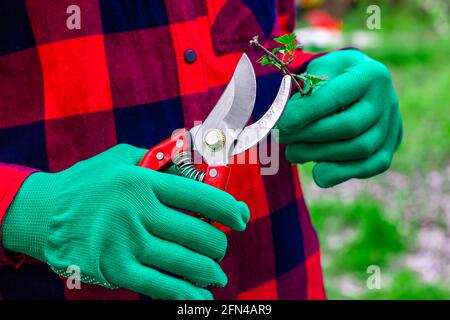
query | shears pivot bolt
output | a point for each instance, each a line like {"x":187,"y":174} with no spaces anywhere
{"x":215,"y":140}
{"x":160,"y":156}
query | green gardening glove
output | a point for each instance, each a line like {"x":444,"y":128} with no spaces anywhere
{"x":117,"y":222}
{"x":350,"y":125}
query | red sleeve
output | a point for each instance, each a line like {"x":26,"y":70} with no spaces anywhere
{"x":11,"y":179}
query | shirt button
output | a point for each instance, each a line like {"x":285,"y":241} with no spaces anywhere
{"x":190,"y":56}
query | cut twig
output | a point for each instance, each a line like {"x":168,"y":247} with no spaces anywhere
{"x":270,"y":55}
{"x":288,"y":47}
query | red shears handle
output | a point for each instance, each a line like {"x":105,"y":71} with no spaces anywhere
{"x":218,"y":177}
{"x":160,"y":155}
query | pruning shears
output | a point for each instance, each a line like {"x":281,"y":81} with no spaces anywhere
{"x":223,"y":134}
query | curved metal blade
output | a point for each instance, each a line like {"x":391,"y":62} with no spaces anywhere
{"x":231,"y":113}
{"x":257,"y":131}
{"x":241,"y":92}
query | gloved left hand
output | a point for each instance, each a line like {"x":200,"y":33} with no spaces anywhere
{"x":350,"y":125}
{"x":122,"y":225}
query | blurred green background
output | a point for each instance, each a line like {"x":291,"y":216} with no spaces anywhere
{"x":400,"y":220}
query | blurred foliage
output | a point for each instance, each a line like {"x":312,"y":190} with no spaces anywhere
{"x":362,"y":233}
{"x":406,"y":286}
{"x":418,"y":59}
{"x":363,"y":236}
{"x":374,"y":242}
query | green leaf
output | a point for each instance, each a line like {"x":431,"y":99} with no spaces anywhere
{"x":292,"y":37}
{"x":317,"y":79}
{"x":314,"y":80}
{"x":278,"y":49}
{"x":299,"y":77}
{"x":265,"y":61}
{"x":276,"y":64}
{"x":284,"y":39}
{"x":291,"y":47}
{"x":286,"y":52}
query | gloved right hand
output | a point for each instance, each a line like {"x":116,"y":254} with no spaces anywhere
{"x":116,"y":222}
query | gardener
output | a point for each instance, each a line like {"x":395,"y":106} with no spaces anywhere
{"x":132,"y":73}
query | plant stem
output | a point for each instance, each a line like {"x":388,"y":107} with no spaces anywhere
{"x":283,"y":66}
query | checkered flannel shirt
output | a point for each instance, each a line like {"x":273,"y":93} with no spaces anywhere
{"x":135,"y":71}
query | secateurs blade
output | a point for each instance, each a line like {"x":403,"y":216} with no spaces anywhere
{"x":224,"y":133}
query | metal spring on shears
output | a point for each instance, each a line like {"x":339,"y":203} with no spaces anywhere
{"x":185,"y":167}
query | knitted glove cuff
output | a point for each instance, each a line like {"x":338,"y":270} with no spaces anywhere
{"x":26,"y":224}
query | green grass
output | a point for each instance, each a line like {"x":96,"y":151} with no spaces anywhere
{"x":376,"y":240}
{"x":362,"y":233}
{"x":407,"y":286}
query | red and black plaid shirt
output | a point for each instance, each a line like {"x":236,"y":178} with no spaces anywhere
{"x":135,"y":71}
